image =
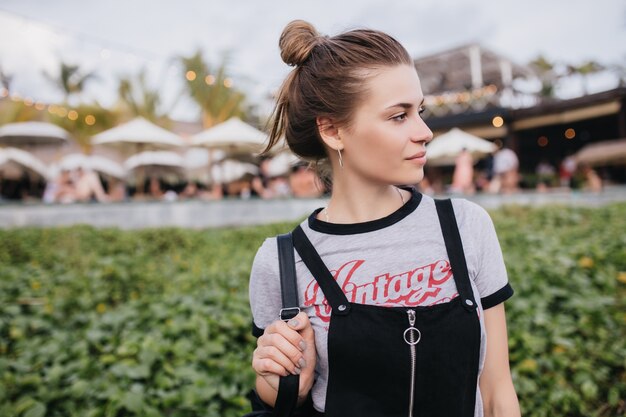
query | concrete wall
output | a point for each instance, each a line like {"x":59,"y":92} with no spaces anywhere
{"x":202,"y":214}
{"x":137,"y":215}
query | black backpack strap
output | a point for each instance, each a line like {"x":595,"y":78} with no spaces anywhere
{"x":289,"y":385}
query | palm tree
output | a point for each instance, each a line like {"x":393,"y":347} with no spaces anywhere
{"x":139,"y":99}
{"x":585,"y":70}
{"x":212,"y":90}
{"x":70,"y":80}
{"x":90,"y":119}
{"x":619,"y":70}
{"x":5,"y":80}
{"x":546,"y":71}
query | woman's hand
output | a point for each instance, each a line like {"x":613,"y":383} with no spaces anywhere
{"x":286,"y":348}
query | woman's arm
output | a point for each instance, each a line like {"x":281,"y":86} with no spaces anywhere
{"x":496,"y":384}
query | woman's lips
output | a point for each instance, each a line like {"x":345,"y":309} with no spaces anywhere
{"x":419,"y":158}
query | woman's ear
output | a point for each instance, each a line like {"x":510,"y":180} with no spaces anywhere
{"x":329,"y":133}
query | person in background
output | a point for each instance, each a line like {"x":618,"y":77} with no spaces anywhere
{"x":463,"y":177}
{"x":545,"y":174}
{"x":304,"y":182}
{"x":154,"y":189}
{"x":117,"y":190}
{"x":61,"y":190}
{"x":567,"y":169}
{"x":505,"y":169}
{"x":190,"y":191}
{"x":88,"y":186}
{"x":592,"y":181}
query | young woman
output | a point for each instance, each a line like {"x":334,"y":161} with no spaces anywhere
{"x":386,"y":328}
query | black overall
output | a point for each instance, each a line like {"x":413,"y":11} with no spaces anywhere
{"x":401,"y":361}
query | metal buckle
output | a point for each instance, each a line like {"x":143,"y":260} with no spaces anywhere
{"x":280,"y":315}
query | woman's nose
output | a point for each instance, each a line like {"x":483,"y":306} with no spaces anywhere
{"x":421,"y":132}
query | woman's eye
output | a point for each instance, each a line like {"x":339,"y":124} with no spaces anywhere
{"x":421,"y":110}
{"x":399,"y":117}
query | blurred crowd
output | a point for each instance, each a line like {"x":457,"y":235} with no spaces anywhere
{"x":498,"y":173}
{"x":82,"y":185}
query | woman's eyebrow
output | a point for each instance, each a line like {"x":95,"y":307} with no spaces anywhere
{"x":405,"y":105}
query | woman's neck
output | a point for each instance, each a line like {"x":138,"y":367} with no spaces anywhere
{"x":355,"y":201}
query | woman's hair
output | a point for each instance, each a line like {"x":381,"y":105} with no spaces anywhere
{"x":328,"y":81}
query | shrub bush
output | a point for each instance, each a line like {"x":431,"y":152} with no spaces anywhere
{"x":104,"y":323}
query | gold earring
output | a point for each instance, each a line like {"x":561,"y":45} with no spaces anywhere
{"x":340,"y":158}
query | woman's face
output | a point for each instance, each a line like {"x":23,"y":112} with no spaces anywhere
{"x":386,"y":140}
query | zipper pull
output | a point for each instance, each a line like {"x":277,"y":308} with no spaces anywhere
{"x":409,"y":333}
{"x":411,"y":314}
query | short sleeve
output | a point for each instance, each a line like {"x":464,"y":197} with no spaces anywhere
{"x":483,"y":253}
{"x":264,"y":289}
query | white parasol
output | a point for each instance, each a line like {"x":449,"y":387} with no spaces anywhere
{"x":33,"y":133}
{"x":138,"y":134}
{"x":444,"y":149}
{"x":164,"y":159}
{"x":96,"y":163}
{"x":11,"y":158}
{"x":610,"y":152}
{"x":231,"y":136}
{"x":229,"y":170}
{"x":282,"y":163}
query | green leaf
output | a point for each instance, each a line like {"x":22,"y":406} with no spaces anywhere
{"x":37,"y":410}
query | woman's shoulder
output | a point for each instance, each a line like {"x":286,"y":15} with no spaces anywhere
{"x":464,"y":209}
{"x":266,"y":254}
{"x":471,"y":218}
{"x":468,"y":208}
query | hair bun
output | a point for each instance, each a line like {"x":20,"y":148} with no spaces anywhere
{"x":297,"y":41}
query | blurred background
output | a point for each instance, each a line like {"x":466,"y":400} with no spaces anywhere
{"x":150,"y":116}
{"x":118,"y":101}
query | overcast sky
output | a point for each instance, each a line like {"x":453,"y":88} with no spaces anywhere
{"x":121,"y":36}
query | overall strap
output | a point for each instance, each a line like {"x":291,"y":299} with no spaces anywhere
{"x":454,"y":247}
{"x":288,"y":283}
{"x":320,"y":272}
{"x":289,"y":385}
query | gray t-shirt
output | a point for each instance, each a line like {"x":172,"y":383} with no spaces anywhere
{"x":372,"y":261}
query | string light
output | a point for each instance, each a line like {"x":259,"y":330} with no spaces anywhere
{"x":228,"y":82}
{"x":462,"y":97}
{"x":191,"y":75}
{"x":497,"y":121}
{"x":570,"y":133}
{"x":209,"y":79}
{"x":53,"y":109}
{"x":542,"y":141}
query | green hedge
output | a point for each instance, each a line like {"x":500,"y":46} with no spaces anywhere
{"x":156,"y":322}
